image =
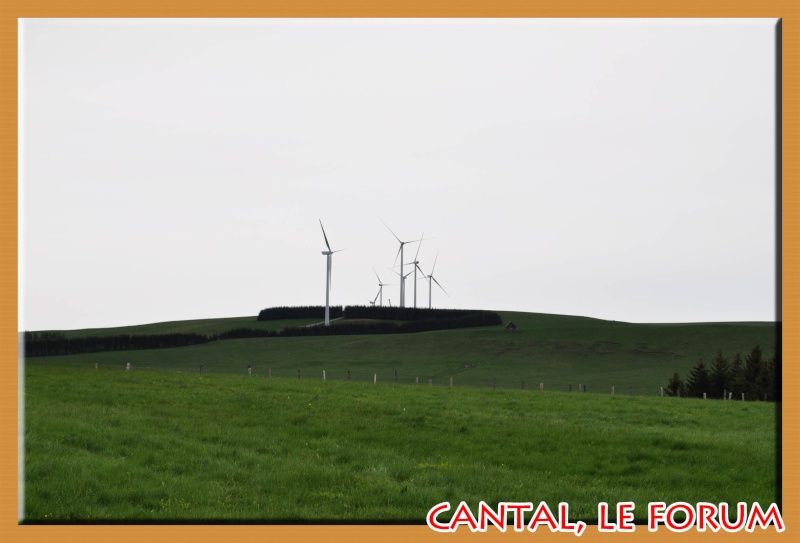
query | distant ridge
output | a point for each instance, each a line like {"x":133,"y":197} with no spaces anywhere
{"x":367,"y":320}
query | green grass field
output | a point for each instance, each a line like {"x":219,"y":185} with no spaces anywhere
{"x":109,"y":445}
{"x":164,"y":443}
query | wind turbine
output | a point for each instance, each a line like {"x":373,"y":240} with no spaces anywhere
{"x":381,"y":284}
{"x":416,"y":267}
{"x":400,"y":253}
{"x":328,"y":254}
{"x":431,"y":277}
{"x":402,"y":285}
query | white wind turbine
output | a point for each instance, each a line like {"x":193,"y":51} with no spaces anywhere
{"x":328,"y":254}
{"x":400,"y":253}
{"x":402,"y":285}
{"x":381,"y":284}
{"x":416,"y":267}
{"x":432,"y":278}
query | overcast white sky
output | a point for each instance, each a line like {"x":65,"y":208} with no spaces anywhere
{"x":177,"y":169}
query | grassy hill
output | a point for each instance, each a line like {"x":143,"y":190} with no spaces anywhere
{"x":164,"y":443}
{"x":559,"y":351}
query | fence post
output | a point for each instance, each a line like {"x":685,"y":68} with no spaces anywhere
{"x":201,"y":369}
{"x":730,"y":395}
{"x":430,"y":382}
{"x":269,"y":370}
{"x":742,"y":396}
{"x":95,"y":365}
{"x":451,"y":382}
{"x":128,"y":367}
{"x":249,"y":370}
{"x":375,"y":379}
{"x":541,"y":387}
{"x":417,"y":379}
{"x":724,"y":393}
{"x":662,"y":392}
{"x":704,"y":395}
{"x":324,"y":377}
{"x":612,"y":390}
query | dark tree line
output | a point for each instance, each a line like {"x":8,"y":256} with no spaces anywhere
{"x":404,"y":313}
{"x":416,"y":320}
{"x":52,"y":343}
{"x":362,"y":312}
{"x":465,"y":319}
{"x":755,"y":376}
{"x":298,"y":312}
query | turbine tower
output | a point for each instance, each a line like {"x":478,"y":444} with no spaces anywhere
{"x":402,"y":287}
{"x":432,"y":278}
{"x":400,"y":253}
{"x":328,"y":254}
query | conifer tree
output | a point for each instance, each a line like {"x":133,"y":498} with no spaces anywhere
{"x":676,"y":387}
{"x":719,"y":375}
{"x":699,"y":380}
{"x":753,"y":370}
{"x":737,"y":383}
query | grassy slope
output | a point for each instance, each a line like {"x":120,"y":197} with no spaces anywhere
{"x":200,"y":326}
{"x":558,"y":351}
{"x":152,"y":445}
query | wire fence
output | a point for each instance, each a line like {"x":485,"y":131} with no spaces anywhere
{"x":439,"y":380}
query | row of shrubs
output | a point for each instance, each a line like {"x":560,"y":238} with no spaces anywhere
{"x":362,"y":312}
{"x":416,"y":320}
{"x":53,"y":343}
{"x":298,"y":312}
{"x":466,"y":319}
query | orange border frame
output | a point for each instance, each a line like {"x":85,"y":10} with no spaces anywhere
{"x":12,"y":10}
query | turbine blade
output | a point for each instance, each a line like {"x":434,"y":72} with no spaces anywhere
{"x":420,"y":270}
{"x":390,"y":230}
{"x":323,"y":234}
{"x":397,"y":255}
{"x":420,"y":245}
{"x":434,"y":262}
{"x":376,"y":275}
{"x":440,"y":286}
